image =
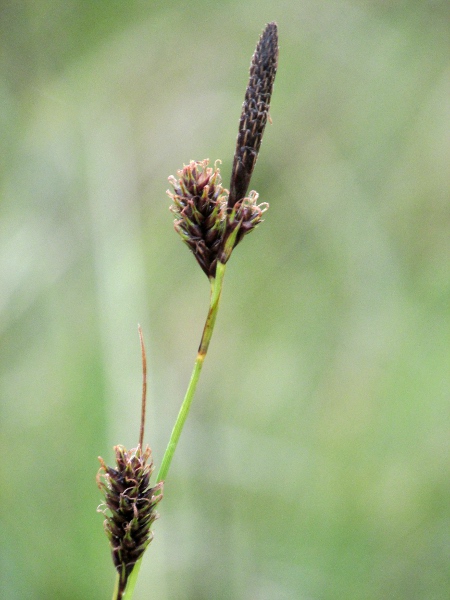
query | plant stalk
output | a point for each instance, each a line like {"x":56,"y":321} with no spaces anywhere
{"x":131,"y":583}
{"x":216,"y":289}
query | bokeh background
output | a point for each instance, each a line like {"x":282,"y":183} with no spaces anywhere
{"x":315,"y":464}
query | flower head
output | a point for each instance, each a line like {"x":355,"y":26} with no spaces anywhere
{"x":199,"y":204}
{"x":129,"y":507}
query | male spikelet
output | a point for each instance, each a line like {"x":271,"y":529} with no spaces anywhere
{"x":255,"y":111}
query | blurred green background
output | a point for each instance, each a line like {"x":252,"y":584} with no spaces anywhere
{"x":315,"y":464}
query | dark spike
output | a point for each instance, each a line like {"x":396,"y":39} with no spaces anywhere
{"x":255,"y":111}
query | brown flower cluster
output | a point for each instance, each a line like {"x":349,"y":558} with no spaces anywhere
{"x":203,"y":219}
{"x":199,"y":205}
{"x":129,"y":507}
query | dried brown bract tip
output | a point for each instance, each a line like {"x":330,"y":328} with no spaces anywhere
{"x":129,"y":507}
{"x":255,"y":111}
{"x":199,"y":205}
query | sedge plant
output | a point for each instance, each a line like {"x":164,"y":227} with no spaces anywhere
{"x":212,"y":221}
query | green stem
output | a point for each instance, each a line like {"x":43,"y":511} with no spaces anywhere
{"x":131,"y":583}
{"x":116,"y":588}
{"x":216,"y":289}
